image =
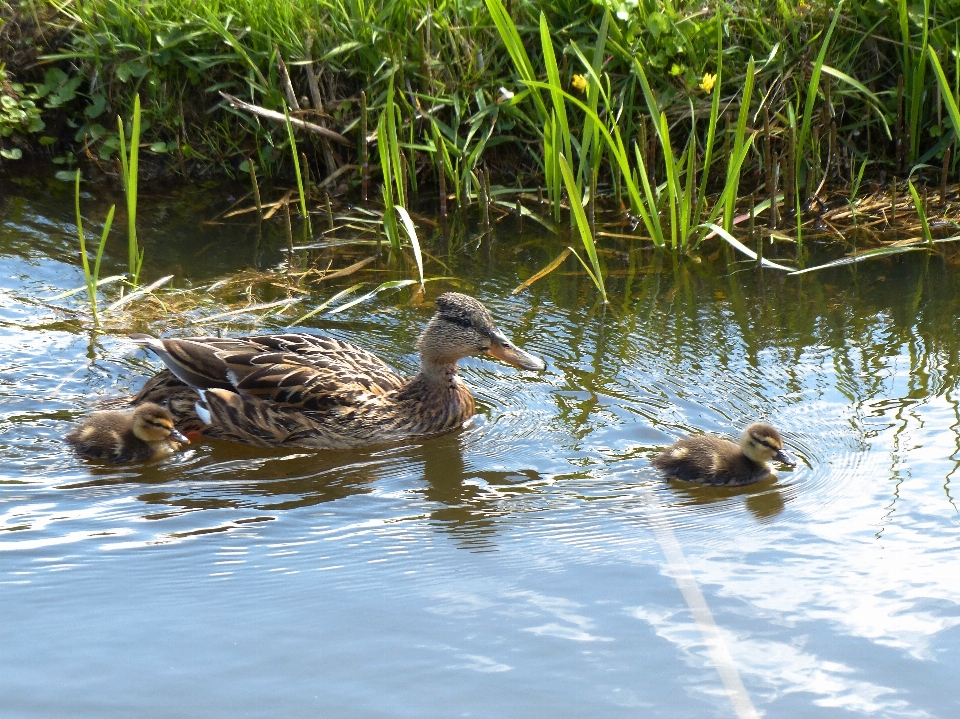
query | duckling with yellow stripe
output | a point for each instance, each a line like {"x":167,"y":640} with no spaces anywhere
{"x":147,"y":433}
{"x":716,"y":461}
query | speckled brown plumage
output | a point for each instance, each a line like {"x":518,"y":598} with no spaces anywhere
{"x":144,"y":434}
{"x":716,"y":461}
{"x":300,"y":390}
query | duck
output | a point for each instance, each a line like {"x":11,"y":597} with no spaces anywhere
{"x":716,"y":461}
{"x":145,"y":434}
{"x":317,"y":392}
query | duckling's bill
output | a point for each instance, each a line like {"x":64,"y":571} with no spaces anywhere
{"x":503,"y":349}
{"x":784,"y":458}
{"x":178,"y":436}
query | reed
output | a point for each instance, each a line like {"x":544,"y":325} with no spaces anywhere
{"x":91,"y":277}
{"x":130,"y":171}
{"x":302,"y":193}
{"x":389,"y":151}
{"x":921,"y":210}
{"x":594,"y":269}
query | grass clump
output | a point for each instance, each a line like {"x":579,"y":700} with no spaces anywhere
{"x":681,"y":110}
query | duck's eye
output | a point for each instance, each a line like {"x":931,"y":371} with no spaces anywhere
{"x":459,"y":321}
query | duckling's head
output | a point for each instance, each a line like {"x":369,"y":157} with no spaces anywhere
{"x":152,"y":423}
{"x":463,"y":327}
{"x":762,"y":443}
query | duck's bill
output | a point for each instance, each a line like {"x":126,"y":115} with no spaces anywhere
{"x":503,"y":349}
{"x":179,"y":437}
{"x":785,"y":458}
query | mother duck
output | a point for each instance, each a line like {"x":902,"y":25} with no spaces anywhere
{"x":304,"y":390}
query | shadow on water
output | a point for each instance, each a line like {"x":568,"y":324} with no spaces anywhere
{"x":219,"y":475}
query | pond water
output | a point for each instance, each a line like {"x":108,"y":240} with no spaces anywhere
{"x":531,"y":565}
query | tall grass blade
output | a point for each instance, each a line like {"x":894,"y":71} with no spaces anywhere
{"x":414,"y":241}
{"x":130,"y":167}
{"x":544,"y":272}
{"x":91,"y":282}
{"x":946,"y":92}
{"x":296,"y":165}
{"x":561,"y":127}
{"x":390,"y":110}
{"x":583,"y":225}
{"x":389,"y":215}
{"x":326,"y":303}
{"x":391,"y":285}
{"x":77,"y":290}
{"x":921,"y":213}
{"x":591,"y":154}
{"x":869,"y":254}
{"x":518,"y":53}
{"x":711,"y":128}
{"x":812,"y":88}
{"x":740,"y":247}
{"x":143,"y":291}
{"x":732,"y":184}
{"x":663,"y":132}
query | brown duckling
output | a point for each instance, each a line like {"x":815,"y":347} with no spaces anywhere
{"x":308,"y":390}
{"x":716,"y":461}
{"x":145,"y":434}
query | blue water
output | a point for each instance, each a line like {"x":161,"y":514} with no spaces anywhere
{"x":515,"y":568}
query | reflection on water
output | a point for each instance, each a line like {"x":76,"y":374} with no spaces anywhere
{"x":510,"y":569}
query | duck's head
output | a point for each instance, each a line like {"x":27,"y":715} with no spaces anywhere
{"x":152,"y":423}
{"x":463,"y":327}
{"x":762,"y":443}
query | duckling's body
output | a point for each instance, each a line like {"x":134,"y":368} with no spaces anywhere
{"x":716,"y":461}
{"x":302,"y":390}
{"x":145,"y":434}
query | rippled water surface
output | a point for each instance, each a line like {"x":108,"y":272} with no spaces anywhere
{"x":521,"y":567}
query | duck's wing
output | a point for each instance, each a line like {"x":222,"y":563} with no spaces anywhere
{"x":309,"y":372}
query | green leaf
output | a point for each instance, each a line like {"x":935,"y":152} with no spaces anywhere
{"x":66,"y":175}
{"x":737,"y":245}
{"x":15,"y":153}
{"x":96,"y":107}
{"x":414,"y":241}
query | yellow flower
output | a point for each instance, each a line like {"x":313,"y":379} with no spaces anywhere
{"x":708,"y":82}
{"x":579,"y":82}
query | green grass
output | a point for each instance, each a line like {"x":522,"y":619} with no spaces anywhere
{"x":130,"y":174}
{"x":91,"y":277}
{"x":480,"y":89}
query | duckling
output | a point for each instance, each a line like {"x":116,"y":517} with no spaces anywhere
{"x":716,"y":461}
{"x":147,"y":433}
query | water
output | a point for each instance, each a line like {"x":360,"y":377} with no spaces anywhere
{"x":517,"y":568}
